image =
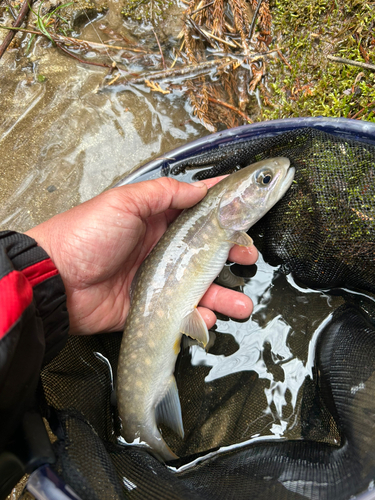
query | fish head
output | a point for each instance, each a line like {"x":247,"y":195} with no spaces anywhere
{"x":252,"y":191}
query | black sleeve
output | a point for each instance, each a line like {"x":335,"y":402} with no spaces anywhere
{"x":34,"y":324}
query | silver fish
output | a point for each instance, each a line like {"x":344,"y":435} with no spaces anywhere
{"x":171,"y":282}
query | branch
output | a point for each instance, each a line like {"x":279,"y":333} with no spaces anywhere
{"x":229,"y":106}
{"x":352,"y":63}
{"x":20,"y":19}
{"x":161,"y":52}
{"x":201,"y":8}
{"x":362,"y":110}
{"x":171,"y":73}
{"x":74,"y":41}
{"x":252,"y":26}
{"x":61,"y":47}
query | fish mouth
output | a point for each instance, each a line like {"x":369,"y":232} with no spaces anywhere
{"x":287,"y":181}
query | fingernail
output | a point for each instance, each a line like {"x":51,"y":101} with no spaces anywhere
{"x":199,"y":184}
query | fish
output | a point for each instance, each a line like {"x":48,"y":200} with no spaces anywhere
{"x":170,"y":283}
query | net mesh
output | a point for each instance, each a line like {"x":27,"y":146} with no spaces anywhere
{"x":322,"y":232}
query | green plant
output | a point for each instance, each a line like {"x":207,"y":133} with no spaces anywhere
{"x":43,"y":21}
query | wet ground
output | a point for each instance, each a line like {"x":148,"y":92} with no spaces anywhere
{"x":61,"y":141}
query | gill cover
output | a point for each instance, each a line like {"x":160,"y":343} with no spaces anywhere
{"x":251,"y":192}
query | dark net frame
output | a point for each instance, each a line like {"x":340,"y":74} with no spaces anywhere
{"x":322,"y":232}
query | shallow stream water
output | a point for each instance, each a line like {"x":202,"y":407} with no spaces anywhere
{"x":61,"y":141}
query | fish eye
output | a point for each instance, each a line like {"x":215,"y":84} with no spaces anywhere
{"x":264,"y":177}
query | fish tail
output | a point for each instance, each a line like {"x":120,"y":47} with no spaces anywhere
{"x":158,"y":446}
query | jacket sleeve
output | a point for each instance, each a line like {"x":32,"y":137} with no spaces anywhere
{"x":34,"y":324}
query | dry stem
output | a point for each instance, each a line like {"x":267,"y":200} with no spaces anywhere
{"x":20,"y":19}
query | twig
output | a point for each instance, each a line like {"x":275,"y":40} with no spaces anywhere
{"x":237,"y":44}
{"x":114,"y":79}
{"x":229,"y":106}
{"x":207,"y":33}
{"x":201,"y":8}
{"x":200,"y":31}
{"x":178,"y":52}
{"x":363,"y":109}
{"x":95,"y":44}
{"x":252,"y":26}
{"x":21,"y":17}
{"x":352,"y":63}
{"x":65,"y":39}
{"x":283,"y":59}
{"x":10,"y":9}
{"x":187,"y":70}
{"x":81,"y":60}
{"x":111,"y":69}
{"x":161,"y":52}
{"x":13,"y":28}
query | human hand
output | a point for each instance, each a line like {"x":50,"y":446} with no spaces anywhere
{"x":99,"y":245}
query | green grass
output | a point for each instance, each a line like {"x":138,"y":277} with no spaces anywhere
{"x":309,"y":30}
{"x":42,"y":21}
{"x":145,"y":10}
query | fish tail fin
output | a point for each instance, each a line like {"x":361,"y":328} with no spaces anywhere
{"x":159,"y":447}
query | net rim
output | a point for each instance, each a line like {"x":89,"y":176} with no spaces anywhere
{"x":345,"y":128}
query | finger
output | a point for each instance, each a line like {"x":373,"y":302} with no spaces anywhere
{"x":228,"y":302}
{"x":246,"y":256}
{"x":208,"y":316}
{"x":214,"y":180}
{"x":148,"y":198}
{"x":173,"y":214}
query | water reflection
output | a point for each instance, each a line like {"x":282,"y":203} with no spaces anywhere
{"x":276,"y":344}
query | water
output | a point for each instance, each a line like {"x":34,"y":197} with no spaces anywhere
{"x":249,"y":385}
{"x":61,"y":141}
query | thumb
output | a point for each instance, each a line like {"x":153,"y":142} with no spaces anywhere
{"x":148,"y":198}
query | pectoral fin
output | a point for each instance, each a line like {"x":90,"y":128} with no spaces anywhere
{"x":242,"y":239}
{"x":193,"y":326}
{"x":168,"y":410}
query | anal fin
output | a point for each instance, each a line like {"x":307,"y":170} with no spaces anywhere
{"x":193,"y":326}
{"x":168,"y":410}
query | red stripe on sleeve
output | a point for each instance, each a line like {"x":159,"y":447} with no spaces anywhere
{"x":16,"y":295}
{"x":40,"y":271}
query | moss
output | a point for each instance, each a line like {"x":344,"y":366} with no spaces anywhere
{"x":309,"y":30}
{"x":145,"y":10}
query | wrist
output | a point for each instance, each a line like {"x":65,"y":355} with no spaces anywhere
{"x":48,"y":289}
